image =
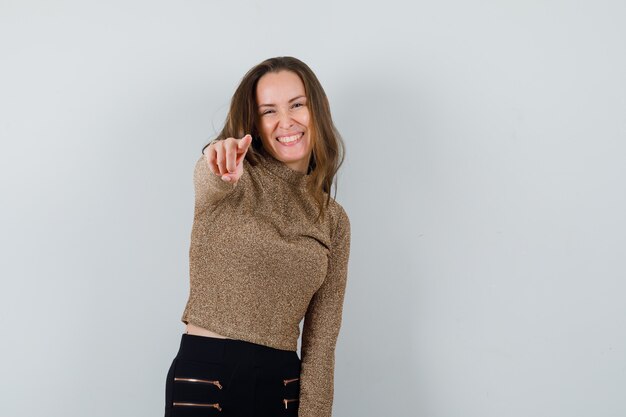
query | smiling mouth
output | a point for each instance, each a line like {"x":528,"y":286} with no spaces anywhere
{"x":290,"y":139}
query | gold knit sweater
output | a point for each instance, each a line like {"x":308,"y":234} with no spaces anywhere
{"x":259,"y":264}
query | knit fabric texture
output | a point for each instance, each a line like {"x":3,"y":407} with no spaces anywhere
{"x":259,"y":264}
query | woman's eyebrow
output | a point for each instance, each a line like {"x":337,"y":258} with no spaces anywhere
{"x":271,"y":104}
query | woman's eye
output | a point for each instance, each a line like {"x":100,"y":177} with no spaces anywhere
{"x":269,"y":111}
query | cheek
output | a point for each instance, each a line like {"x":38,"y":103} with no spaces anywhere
{"x":266,"y":129}
{"x":304,"y":120}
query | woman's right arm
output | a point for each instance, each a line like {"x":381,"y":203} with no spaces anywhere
{"x":210,"y":186}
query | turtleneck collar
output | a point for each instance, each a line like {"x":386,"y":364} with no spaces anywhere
{"x":280,"y":169}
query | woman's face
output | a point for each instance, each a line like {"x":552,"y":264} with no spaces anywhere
{"x":283,"y":113}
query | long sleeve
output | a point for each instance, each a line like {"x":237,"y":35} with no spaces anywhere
{"x":321,"y":328}
{"x":209,"y":187}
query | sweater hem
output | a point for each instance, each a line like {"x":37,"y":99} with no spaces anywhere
{"x":236,"y":334}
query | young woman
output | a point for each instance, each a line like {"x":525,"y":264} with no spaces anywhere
{"x":269,"y":247}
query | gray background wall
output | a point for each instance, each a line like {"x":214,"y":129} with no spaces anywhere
{"x":484,"y":179}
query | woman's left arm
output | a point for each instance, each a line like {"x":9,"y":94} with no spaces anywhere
{"x":321,"y":329}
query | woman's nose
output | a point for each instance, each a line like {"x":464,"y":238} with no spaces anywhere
{"x":285,"y":120}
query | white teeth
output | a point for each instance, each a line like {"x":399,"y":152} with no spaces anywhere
{"x":288,"y":139}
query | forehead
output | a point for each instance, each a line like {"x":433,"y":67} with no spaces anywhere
{"x":279,"y":87}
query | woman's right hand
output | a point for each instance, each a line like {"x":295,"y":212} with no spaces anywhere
{"x":225,"y":157}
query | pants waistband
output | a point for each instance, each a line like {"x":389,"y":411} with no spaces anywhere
{"x":218,"y":350}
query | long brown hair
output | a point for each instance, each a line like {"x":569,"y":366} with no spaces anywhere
{"x":328,"y":147}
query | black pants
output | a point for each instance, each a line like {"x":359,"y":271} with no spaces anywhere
{"x":231,"y":378}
